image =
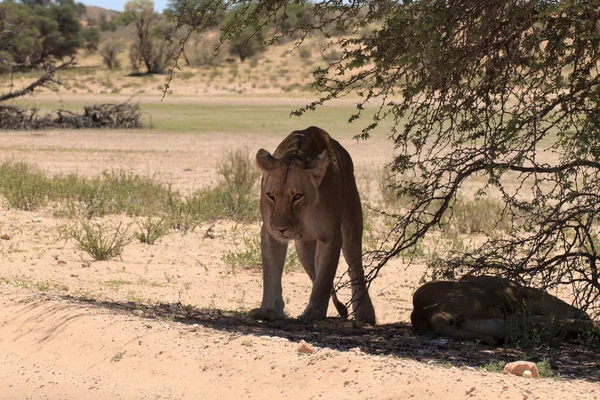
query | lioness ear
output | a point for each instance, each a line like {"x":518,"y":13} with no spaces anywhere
{"x":264,"y":160}
{"x":318,"y":168}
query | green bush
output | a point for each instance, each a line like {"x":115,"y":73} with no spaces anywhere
{"x":101,"y":240}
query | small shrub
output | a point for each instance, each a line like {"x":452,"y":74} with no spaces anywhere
{"x":305,"y":51}
{"x":292,"y":87}
{"x":238,"y":171}
{"x":494,"y":366}
{"x":331,"y":54}
{"x":181,"y":216}
{"x":102,"y":241}
{"x":25,"y":187}
{"x":389,"y":195}
{"x":110,"y":51}
{"x":545,"y":370}
{"x":185,"y":75}
{"x":152,"y":229}
{"x":248,"y":253}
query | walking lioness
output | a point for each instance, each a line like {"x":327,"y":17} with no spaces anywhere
{"x":309,"y":195}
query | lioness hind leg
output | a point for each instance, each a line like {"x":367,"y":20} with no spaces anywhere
{"x":352,"y":249}
{"x":306,"y":251}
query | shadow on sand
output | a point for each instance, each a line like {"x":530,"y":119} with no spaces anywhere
{"x":570,"y":360}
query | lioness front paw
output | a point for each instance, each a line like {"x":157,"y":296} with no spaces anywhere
{"x":265,"y":314}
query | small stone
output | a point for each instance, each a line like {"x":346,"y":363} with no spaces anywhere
{"x":36,"y":219}
{"x":305,"y":348}
{"x":527,"y":374}
{"x":344,"y":369}
{"x":138,"y":313}
{"x":5,"y":237}
{"x":438,"y":342}
{"x":519,"y":367}
{"x":61,"y":262}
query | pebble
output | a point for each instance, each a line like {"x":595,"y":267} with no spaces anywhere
{"x":138,"y":313}
{"x":275,"y":338}
{"x":305,"y":348}
{"x":438,"y":342}
{"x":5,"y":237}
{"x":344,"y":369}
{"x":36,"y":219}
{"x":61,"y":262}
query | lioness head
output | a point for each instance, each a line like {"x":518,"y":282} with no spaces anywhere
{"x":289,"y":188}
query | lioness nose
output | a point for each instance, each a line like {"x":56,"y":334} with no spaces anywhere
{"x":281,"y":227}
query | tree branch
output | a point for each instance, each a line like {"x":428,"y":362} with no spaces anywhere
{"x":44,"y":79}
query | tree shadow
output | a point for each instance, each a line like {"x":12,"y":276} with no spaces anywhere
{"x":569,"y":360}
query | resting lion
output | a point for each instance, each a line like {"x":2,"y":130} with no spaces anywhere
{"x":476,"y":308}
{"x":309,"y":195}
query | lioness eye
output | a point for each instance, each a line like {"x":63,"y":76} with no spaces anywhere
{"x":270,"y":195}
{"x":297,"y":196}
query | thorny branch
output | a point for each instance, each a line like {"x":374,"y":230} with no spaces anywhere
{"x":500,"y":95}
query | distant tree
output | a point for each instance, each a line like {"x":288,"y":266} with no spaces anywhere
{"x":195,"y":12}
{"x":124,"y":18}
{"x":295,"y":18}
{"x":40,"y":31}
{"x":91,"y":37}
{"x":109,"y":51}
{"x":107,"y":24}
{"x":152,"y":47}
{"x":247,"y":41}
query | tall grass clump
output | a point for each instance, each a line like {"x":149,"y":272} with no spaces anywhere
{"x":236,"y":194}
{"x":112,"y":192}
{"x":481,"y":215}
{"x":247,"y":253}
{"x":24,"y":186}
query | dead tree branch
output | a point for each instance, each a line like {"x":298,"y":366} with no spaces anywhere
{"x":48,"y":77}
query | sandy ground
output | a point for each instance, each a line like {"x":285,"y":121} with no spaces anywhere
{"x":168,"y":321}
